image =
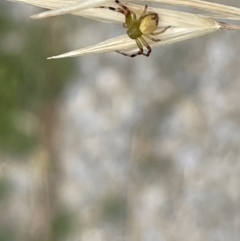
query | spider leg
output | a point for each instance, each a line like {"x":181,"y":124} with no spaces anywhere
{"x":127,"y":11}
{"x":143,"y":13}
{"x":147,"y":46}
{"x":128,"y":55}
{"x":160,"y":32}
{"x":145,"y":10}
{"x":153,"y":39}
{"x":140,"y":52}
{"x":123,"y":7}
{"x":123,"y":10}
{"x":119,"y":10}
{"x":134,"y":17}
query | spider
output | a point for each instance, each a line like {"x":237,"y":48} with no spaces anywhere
{"x":137,"y":28}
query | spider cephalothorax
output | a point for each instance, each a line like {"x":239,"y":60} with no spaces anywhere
{"x":137,"y":28}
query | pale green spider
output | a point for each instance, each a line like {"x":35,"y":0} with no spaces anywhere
{"x":137,"y":28}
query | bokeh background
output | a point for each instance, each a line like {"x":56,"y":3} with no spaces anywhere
{"x":104,"y":147}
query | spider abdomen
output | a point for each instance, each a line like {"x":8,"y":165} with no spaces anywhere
{"x":149,"y":23}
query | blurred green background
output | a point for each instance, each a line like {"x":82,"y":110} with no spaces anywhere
{"x":105,"y":147}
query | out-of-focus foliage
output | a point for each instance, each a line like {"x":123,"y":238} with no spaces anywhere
{"x":113,"y":209}
{"x":62,"y":225}
{"x":28,"y":81}
{"x":30,"y":90}
{"x":4,"y":188}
